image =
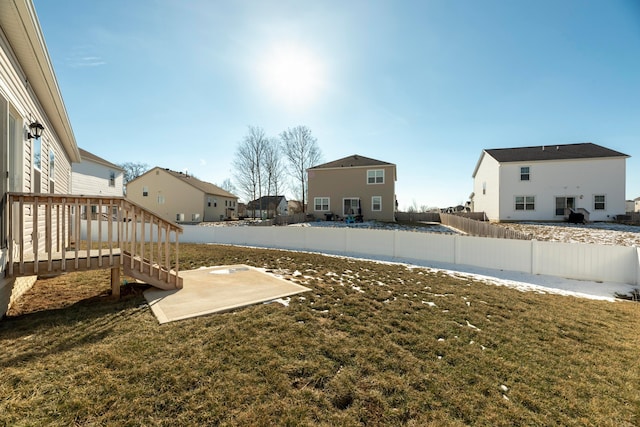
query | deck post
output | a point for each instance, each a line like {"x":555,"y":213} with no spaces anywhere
{"x":115,"y":282}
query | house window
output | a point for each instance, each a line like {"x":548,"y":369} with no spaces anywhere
{"x":225,"y":203}
{"x":145,"y":191}
{"x":52,"y":171}
{"x":375,"y":176}
{"x":321,"y":203}
{"x":376,"y":203}
{"x":351,"y":206}
{"x":112,"y":179}
{"x":160,"y":199}
{"x":208,"y":202}
{"x":525,"y":203}
{"x":524,"y":173}
{"x":484,"y":188}
{"x":599,"y":202}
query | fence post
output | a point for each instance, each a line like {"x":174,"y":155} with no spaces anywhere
{"x":534,"y":248}
{"x":637,"y":265}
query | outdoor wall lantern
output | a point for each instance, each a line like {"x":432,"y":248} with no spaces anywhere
{"x":35,"y":130}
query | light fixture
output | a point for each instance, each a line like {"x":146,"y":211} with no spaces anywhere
{"x":35,"y":130}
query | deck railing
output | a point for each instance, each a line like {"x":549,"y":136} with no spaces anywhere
{"x":53,"y":233}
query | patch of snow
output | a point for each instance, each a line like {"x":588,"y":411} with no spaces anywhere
{"x":283,"y":301}
{"x":472,"y":326}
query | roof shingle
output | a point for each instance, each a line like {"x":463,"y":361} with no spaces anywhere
{"x":352,"y":161}
{"x":585,"y":150}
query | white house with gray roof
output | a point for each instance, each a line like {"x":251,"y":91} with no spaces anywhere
{"x":543,"y":183}
{"x":96,"y":176}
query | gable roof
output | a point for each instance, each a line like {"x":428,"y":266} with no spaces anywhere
{"x":85,"y":155}
{"x":205,"y":187}
{"x":585,"y":150}
{"x":265,"y":201}
{"x":352,"y":161}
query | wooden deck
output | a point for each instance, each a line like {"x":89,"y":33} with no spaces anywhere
{"x":59,"y":263}
{"x":53,"y":234}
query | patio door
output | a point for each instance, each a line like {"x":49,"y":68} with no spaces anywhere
{"x":563,"y":203}
{"x":351,"y":206}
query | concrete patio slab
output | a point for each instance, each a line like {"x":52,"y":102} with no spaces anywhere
{"x":217,"y":289}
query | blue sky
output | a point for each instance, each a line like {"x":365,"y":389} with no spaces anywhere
{"x":425,"y":84}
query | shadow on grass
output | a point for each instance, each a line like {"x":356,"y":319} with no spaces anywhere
{"x":37,"y":334}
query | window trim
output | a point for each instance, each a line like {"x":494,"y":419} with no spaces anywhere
{"x":596,"y":203}
{"x":375,"y":176}
{"x":525,"y":203}
{"x":373,"y":203}
{"x":527,"y":173}
{"x":321,"y":204}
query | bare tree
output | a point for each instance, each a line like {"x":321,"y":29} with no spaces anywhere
{"x":302,"y":152}
{"x":132,"y":170}
{"x":273,"y":168}
{"x":248,"y":163}
{"x":227,"y":185}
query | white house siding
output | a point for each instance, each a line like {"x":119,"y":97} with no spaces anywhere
{"x":28,"y":92}
{"x":582,"y":179}
{"x":486,"y":187}
{"x":93,"y":179}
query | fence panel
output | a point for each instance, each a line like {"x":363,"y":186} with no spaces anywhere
{"x":586,"y":261}
{"x":425,"y":247}
{"x":370,"y":242}
{"x":568,"y":260}
{"x":494,"y":253}
{"x":329,"y":240}
{"x":481,"y":228}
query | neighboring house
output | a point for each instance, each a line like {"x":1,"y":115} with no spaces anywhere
{"x":30,"y":103}
{"x":544,"y":183}
{"x":630,"y":206}
{"x":294,"y":207}
{"x":268,"y":207}
{"x":94,"y":175}
{"x":354,"y":185}
{"x":179,"y":197}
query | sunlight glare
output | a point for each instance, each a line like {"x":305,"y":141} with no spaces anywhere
{"x":293,"y":76}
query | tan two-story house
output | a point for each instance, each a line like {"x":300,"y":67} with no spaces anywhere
{"x":353,"y":186}
{"x":179,"y":197}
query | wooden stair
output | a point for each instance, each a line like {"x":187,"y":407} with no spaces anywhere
{"x":152,"y":274}
{"x":53,"y":234}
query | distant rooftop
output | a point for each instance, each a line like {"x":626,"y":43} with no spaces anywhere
{"x":203,"y":186}
{"x":585,"y":150}
{"x":352,"y":161}
{"x":85,"y":155}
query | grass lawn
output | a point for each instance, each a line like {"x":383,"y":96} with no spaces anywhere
{"x":371,"y":344}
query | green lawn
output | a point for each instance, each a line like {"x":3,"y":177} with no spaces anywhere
{"x":371,"y":344}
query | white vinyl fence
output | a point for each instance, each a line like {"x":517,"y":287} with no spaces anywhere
{"x":591,"y":262}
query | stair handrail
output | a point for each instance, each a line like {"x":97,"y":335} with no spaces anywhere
{"x":119,"y":222}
